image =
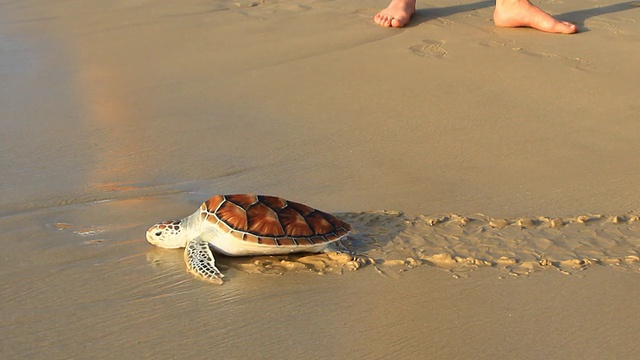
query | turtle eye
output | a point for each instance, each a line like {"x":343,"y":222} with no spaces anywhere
{"x":158,"y":233}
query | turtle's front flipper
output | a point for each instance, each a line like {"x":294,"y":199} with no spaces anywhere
{"x":200,"y":260}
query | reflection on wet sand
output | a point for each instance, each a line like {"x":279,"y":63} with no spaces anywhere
{"x":117,"y":146}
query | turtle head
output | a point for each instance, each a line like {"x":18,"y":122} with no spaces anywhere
{"x":168,"y":235}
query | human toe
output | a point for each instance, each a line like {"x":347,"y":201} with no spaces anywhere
{"x":383,"y":20}
{"x":565,"y":27}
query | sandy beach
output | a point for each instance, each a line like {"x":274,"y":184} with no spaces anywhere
{"x":490,"y":176}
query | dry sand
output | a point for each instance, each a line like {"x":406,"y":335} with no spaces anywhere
{"x":490,"y":175}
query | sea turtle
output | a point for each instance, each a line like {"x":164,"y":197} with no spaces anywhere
{"x":246,"y":224}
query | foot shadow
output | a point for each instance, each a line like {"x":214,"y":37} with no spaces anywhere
{"x":429,"y":14}
{"x":580,"y":16}
{"x":577,"y":17}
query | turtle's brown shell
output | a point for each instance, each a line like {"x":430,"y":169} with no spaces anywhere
{"x":271,"y":220}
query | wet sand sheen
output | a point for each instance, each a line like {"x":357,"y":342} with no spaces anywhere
{"x":119,"y":115}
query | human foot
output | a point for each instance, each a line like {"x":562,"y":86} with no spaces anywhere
{"x":397,"y":14}
{"x":517,"y":13}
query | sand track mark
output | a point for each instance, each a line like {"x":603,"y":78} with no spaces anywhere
{"x":460,"y":244}
{"x":499,"y":43}
{"x":429,"y":48}
{"x":574,"y":62}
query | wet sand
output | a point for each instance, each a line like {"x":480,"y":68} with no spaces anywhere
{"x":489,"y":174}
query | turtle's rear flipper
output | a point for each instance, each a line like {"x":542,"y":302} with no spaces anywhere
{"x":200,"y":261}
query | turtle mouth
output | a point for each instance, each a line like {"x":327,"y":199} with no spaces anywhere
{"x":152,"y":239}
{"x":164,"y":234}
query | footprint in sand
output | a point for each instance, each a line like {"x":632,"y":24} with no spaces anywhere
{"x":498,"y":43}
{"x":574,"y":62}
{"x":245,"y":4}
{"x":444,"y":22}
{"x":429,"y":48}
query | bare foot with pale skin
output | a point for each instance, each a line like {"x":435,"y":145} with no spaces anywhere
{"x":508,"y":13}
{"x":521,"y":13}
{"x":397,"y":14}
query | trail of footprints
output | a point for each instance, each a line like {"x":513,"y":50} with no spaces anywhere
{"x":574,"y":62}
{"x":435,"y":49}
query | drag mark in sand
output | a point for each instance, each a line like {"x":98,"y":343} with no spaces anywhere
{"x":460,"y":244}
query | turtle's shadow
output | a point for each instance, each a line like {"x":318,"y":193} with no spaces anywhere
{"x":372,"y":231}
{"x":577,"y":17}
